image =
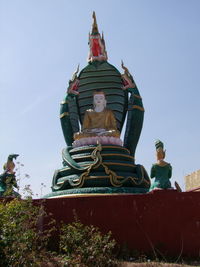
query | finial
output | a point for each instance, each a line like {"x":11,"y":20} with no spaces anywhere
{"x":96,"y":44}
{"x":74,"y":75}
{"x":103,"y":42}
{"x":94,"y":25}
{"x":125,"y":68}
{"x":127,"y":73}
{"x":102,"y":38}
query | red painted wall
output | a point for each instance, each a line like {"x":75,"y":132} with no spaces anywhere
{"x":166,"y":221}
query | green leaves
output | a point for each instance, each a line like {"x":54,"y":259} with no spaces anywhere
{"x":20,"y":241}
{"x":82,"y":244}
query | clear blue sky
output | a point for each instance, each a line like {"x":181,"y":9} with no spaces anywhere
{"x":41,"y":43}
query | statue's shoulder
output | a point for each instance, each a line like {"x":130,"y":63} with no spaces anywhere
{"x":163,"y":165}
{"x":153,"y":166}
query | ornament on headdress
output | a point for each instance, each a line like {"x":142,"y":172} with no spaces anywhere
{"x":127,"y":78}
{"x":96,"y":43}
{"x":74,"y":83}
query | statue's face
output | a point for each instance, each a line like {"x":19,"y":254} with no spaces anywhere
{"x":160,"y":155}
{"x":99,"y":100}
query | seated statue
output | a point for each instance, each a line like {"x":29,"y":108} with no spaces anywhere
{"x":98,"y":122}
{"x":162,"y":170}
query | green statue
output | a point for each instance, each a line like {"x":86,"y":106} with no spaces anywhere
{"x":161,"y":170}
{"x":92,"y":114}
{"x":8,"y":178}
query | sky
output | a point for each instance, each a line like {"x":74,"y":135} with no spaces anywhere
{"x":43,"y":41}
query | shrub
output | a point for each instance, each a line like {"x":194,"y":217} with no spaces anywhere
{"x":21,"y":242}
{"x":86,"y":246}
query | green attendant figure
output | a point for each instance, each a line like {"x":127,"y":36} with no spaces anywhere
{"x":161,"y":170}
{"x":8,"y":178}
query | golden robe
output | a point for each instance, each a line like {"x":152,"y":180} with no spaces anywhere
{"x":98,"y":120}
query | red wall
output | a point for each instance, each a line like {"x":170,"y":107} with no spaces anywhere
{"x":165,"y":221}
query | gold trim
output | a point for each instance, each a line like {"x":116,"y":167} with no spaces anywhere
{"x":96,"y":71}
{"x":65,"y":169}
{"x":64,"y":114}
{"x":102,"y":154}
{"x":64,"y":102}
{"x":120,"y":147}
{"x":92,"y":82}
{"x":138,"y":107}
{"x":110,"y":103}
{"x":113,"y":154}
{"x":100,"y":177}
{"x":85,"y":91}
{"x":137,"y":96}
{"x":92,"y":148}
{"x":115,"y":180}
{"x":100,"y":76}
{"x":60,"y":183}
{"x":106,"y":163}
{"x":97,"y":162}
{"x":119,"y":164}
{"x":93,"y":195}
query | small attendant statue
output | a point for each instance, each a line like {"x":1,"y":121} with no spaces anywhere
{"x":161,"y":170}
{"x":8,"y":179}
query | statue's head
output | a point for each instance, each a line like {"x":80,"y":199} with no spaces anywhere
{"x":99,"y":99}
{"x":160,"y":152}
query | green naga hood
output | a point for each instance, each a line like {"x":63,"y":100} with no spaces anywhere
{"x":105,"y":77}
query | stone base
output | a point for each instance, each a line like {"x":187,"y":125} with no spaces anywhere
{"x":99,"y":166}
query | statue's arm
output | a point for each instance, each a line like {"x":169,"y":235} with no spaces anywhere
{"x":86,"y":121}
{"x":111,"y":123}
{"x":153,"y":172}
{"x":170,"y":171}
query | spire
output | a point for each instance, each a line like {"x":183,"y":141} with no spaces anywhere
{"x":94,"y":25}
{"x":96,"y":43}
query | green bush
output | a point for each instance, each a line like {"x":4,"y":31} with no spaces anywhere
{"x":21,"y":241}
{"x":86,"y":246}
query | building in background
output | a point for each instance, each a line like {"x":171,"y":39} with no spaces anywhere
{"x":192,"y":181}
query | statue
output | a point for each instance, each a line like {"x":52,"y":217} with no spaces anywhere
{"x":99,"y":124}
{"x":99,"y":101}
{"x":8,"y":179}
{"x":161,"y":170}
